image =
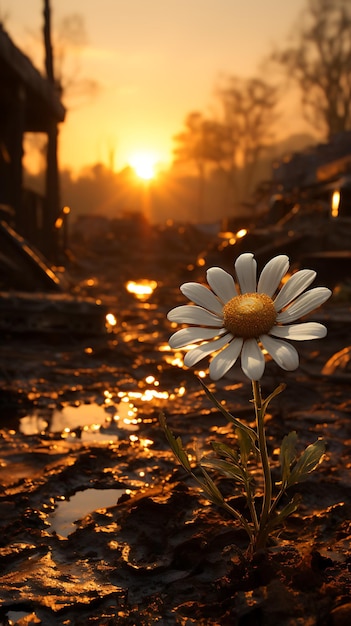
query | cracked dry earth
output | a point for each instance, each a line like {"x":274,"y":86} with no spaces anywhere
{"x":157,"y":552}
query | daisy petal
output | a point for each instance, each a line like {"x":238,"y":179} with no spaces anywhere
{"x":252,"y":360}
{"x":196,"y":354}
{"x":223,"y":361}
{"x":192,"y":314}
{"x":245,"y":267}
{"x":203,"y":296}
{"x":296,"y":284}
{"x":283,"y":353}
{"x":185,"y":336}
{"x":304,"y":304}
{"x":221,"y":283}
{"x":272,"y":274}
{"x":300,"y":332}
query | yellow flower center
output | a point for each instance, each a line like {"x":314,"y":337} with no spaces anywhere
{"x":249,"y":315}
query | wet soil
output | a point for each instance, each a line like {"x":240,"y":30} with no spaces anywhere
{"x":161,"y":553}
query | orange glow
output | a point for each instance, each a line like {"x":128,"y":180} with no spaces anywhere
{"x":201,"y":374}
{"x":110,"y":319}
{"x":335,"y":203}
{"x":141,"y":288}
{"x":144,"y":165}
{"x":142,"y":91}
{"x":241,"y":233}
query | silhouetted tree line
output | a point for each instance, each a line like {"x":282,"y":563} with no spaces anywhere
{"x":317,"y":60}
{"x":220,"y":157}
{"x":234,"y":142}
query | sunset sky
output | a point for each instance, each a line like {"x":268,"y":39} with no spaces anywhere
{"x":154,"y":61}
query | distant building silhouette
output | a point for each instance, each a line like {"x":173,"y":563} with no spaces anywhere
{"x":28,"y":103}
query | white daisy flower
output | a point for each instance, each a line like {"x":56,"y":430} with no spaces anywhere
{"x":230,"y":319}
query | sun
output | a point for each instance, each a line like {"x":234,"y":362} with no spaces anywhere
{"x":144,"y":164}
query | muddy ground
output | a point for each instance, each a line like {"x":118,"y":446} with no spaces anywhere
{"x":161,"y":553}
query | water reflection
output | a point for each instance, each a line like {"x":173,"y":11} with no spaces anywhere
{"x":83,"y":421}
{"x":141,"y":289}
{"x":87,"y":422}
{"x":63,"y":518}
{"x":229,"y":238}
{"x":111,"y":322}
{"x":116,"y":417}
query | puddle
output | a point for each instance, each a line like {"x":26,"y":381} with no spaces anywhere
{"x":78,"y":506}
{"x":15,"y":616}
{"x":115,"y":417}
{"x":88,"y":422}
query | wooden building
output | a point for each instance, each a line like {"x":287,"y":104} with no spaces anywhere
{"x":28,"y":103}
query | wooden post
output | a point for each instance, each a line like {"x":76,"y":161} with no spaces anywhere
{"x":52,"y":193}
{"x":15,"y":147}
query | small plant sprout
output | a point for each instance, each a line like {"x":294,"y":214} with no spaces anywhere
{"x":249,"y":319}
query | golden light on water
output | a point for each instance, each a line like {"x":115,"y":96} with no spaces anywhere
{"x":118,"y":413}
{"x":335,"y":203}
{"x":111,"y":319}
{"x":201,"y":374}
{"x":229,"y":238}
{"x":241,"y":233}
{"x":146,"y":396}
{"x":174,"y":359}
{"x":141,"y":289}
{"x":149,"y":394}
{"x":152,"y":380}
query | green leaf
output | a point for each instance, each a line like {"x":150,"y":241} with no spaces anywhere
{"x":176,"y":444}
{"x":287,"y":455}
{"x":308,"y":461}
{"x":225,"y":468}
{"x":227,"y":415}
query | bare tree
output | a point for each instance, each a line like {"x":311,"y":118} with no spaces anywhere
{"x":62,"y":65}
{"x":319,"y":61}
{"x":247,"y":116}
{"x":70,"y":39}
{"x":234,"y":140}
{"x":201,"y":143}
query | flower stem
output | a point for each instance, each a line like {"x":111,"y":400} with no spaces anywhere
{"x":267,"y":477}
